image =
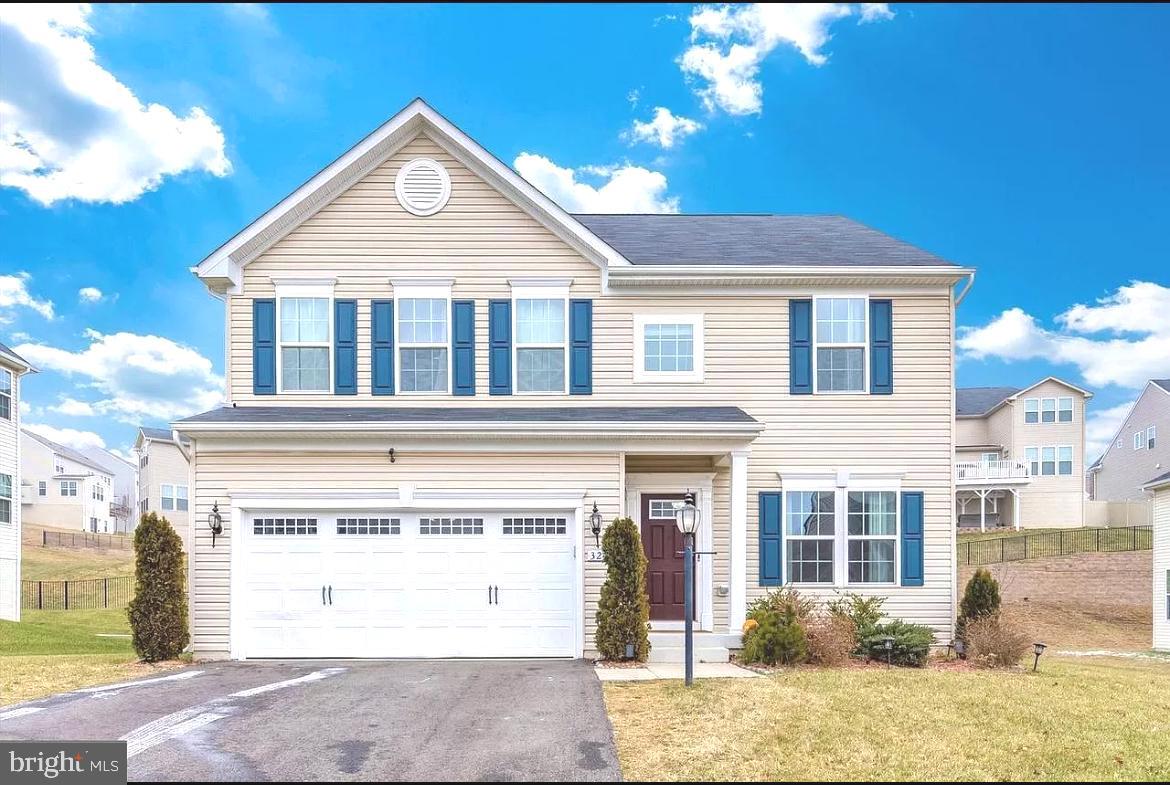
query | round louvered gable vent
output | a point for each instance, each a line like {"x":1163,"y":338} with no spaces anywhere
{"x":422,"y":186}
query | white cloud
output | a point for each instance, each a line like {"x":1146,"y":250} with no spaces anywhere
{"x":70,"y":130}
{"x":1136,"y":348}
{"x":139,"y":377}
{"x":1100,"y":426}
{"x":89,"y":294}
{"x":664,"y":130}
{"x":25,"y":409}
{"x":79,"y":440}
{"x":624,"y":189}
{"x":729,"y":42}
{"x":14,"y":293}
{"x":72,"y":407}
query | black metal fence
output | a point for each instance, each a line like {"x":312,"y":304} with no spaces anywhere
{"x":55,"y":539}
{"x":77,"y":595}
{"x":1038,"y":545}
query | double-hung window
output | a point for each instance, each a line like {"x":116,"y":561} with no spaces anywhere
{"x":1048,"y":410}
{"x":5,"y":498}
{"x":423,"y":327}
{"x":304,"y":344}
{"x":668,"y":347}
{"x":98,"y":492}
{"x":1139,"y":440}
{"x":42,"y":488}
{"x":1064,"y":409}
{"x":840,"y":338}
{"x":69,"y":487}
{"x":174,"y":497}
{"x":540,"y":311}
{"x":872,"y":536}
{"x":5,"y":394}
{"x":842,"y":536}
{"x":1151,"y":436}
{"x":1064,"y":461}
{"x":1049,"y":461}
{"x":1031,"y":410}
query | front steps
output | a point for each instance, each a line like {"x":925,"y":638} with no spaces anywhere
{"x":667,"y":646}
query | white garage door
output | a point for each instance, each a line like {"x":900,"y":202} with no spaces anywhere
{"x":389,"y":584}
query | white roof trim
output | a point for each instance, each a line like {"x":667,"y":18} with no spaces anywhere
{"x":1083,"y":392}
{"x":222,"y":268}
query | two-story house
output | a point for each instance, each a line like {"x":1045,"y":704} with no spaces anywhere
{"x":124,"y":502}
{"x":438,"y":380}
{"x":1135,"y":453}
{"x":12,"y":367}
{"x":65,"y":489}
{"x":1020,"y":455}
{"x":164,"y":477}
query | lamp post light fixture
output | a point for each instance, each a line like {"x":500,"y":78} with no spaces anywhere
{"x":215,"y":522}
{"x":960,"y":648}
{"x":1037,"y":649}
{"x":888,"y":643}
{"x":687,"y":517}
{"x":595,"y":525}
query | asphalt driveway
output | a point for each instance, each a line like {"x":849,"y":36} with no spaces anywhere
{"x":341,"y":720}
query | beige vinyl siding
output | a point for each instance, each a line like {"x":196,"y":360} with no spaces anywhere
{"x":1161,"y":568}
{"x":166,"y":464}
{"x":220,"y":474}
{"x":1123,"y":469}
{"x":10,"y":532}
{"x":971,"y":431}
{"x":1052,"y":501}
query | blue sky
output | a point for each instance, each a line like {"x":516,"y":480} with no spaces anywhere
{"x":1028,"y":142}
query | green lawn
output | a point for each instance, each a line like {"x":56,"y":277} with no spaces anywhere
{"x":1075,"y":720}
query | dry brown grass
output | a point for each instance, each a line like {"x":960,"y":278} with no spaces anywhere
{"x":27,"y":678}
{"x":57,"y":564}
{"x":1083,"y":626}
{"x":1099,"y":720}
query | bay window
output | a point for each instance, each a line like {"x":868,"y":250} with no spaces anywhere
{"x":841,"y":537}
{"x":840,"y":339}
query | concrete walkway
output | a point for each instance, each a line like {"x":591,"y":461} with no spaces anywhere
{"x":652,"y":671}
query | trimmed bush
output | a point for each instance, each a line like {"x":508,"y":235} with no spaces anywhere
{"x":912,"y":643}
{"x":831,"y":639}
{"x":623,"y":612}
{"x":994,"y":642}
{"x":782,"y":600}
{"x":864,"y":612}
{"x":778,"y":640}
{"x":158,"y":612}
{"x":980,"y":600}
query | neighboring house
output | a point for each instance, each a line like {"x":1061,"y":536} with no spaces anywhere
{"x":164,"y":474}
{"x":1159,"y":488}
{"x":435,"y":376}
{"x":64,"y":488}
{"x":1020,"y":455}
{"x":12,"y":368}
{"x":1139,"y":449}
{"x":124,"y":503}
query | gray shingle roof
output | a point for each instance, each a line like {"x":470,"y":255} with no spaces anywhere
{"x":8,"y":353}
{"x":977,"y":401}
{"x":158,"y":434}
{"x":790,"y":240}
{"x":1163,"y":383}
{"x":67,"y":452}
{"x":500,"y":414}
{"x":1158,"y":480}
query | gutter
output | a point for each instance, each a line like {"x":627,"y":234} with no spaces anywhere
{"x":963,"y":294}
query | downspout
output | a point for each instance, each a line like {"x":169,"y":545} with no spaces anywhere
{"x":966,"y":289}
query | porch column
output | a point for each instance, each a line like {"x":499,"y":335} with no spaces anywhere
{"x":982,"y":511}
{"x":739,"y":534}
{"x":1015,"y":509}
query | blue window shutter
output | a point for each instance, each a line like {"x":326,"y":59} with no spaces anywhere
{"x":912,"y":524}
{"x":463,"y":346}
{"x":345,"y":347}
{"x":881,"y":347}
{"x":800,"y":347}
{"x":500,"y":347}
{"x":771,"y":545}
{"x":264,"y":347}
{"x":581,"y":347}
{"x":382,"y":347}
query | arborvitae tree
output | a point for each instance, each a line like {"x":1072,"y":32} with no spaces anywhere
{"x":158,"y":612}
{"x":623,"y":614}
{"x":980,"y":600}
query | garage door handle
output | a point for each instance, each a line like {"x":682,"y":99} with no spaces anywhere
{"x":497,"y":595}
{"x":330,"y":594}
{"x":322,"y":594}
{"x":489,"y":594}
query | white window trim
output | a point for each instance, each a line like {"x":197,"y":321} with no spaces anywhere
{"x":641,"y":375}
{"x":1139,"y":441}
{"x":321,"y":288}
{"x":8,"y":393}
{"x":421,"y":289}
{"x":1039,"y":461}
{"x":76,"y":488}
{"x":539,"y":289}
{"x":864,"y":345}
{"x":841,"y":536}
{"x":1151,"y":436}
{"x":1072,"y":410}
{"x":1027,"y":403}
{"x":8,"y":497}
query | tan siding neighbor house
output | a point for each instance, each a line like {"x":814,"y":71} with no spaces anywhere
{"x":437,"y":380}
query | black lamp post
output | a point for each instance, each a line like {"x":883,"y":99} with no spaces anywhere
{"x":595,"y":524}
{"x":215,"y":522}
{"x":686,"y":515}
{"x":1037,"y":649}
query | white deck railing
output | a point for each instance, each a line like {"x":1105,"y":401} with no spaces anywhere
{"x":990,"y":471}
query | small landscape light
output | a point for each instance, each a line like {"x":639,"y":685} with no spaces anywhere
{"x":888,"y":643}
{"x":629,"y":651}
{"x":595,"y":524}
{"x":960,"y":648}
{"x":1037,"y":649}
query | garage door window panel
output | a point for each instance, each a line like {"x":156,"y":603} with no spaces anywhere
{"x":450,"y":526}
{"x":284,"y":526}
{"x":364,"y":527}
{"x":535,"y":526}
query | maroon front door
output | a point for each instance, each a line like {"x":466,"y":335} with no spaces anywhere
{"x":663,"y":544}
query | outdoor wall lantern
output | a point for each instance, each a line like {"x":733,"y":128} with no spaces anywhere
{"x":215,"y":522}
{"x":595,"y":524}
{"x":687,"y":517}
{"x":1037,"y":649}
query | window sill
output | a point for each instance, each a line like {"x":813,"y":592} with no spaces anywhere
{"x":649,"y":377}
